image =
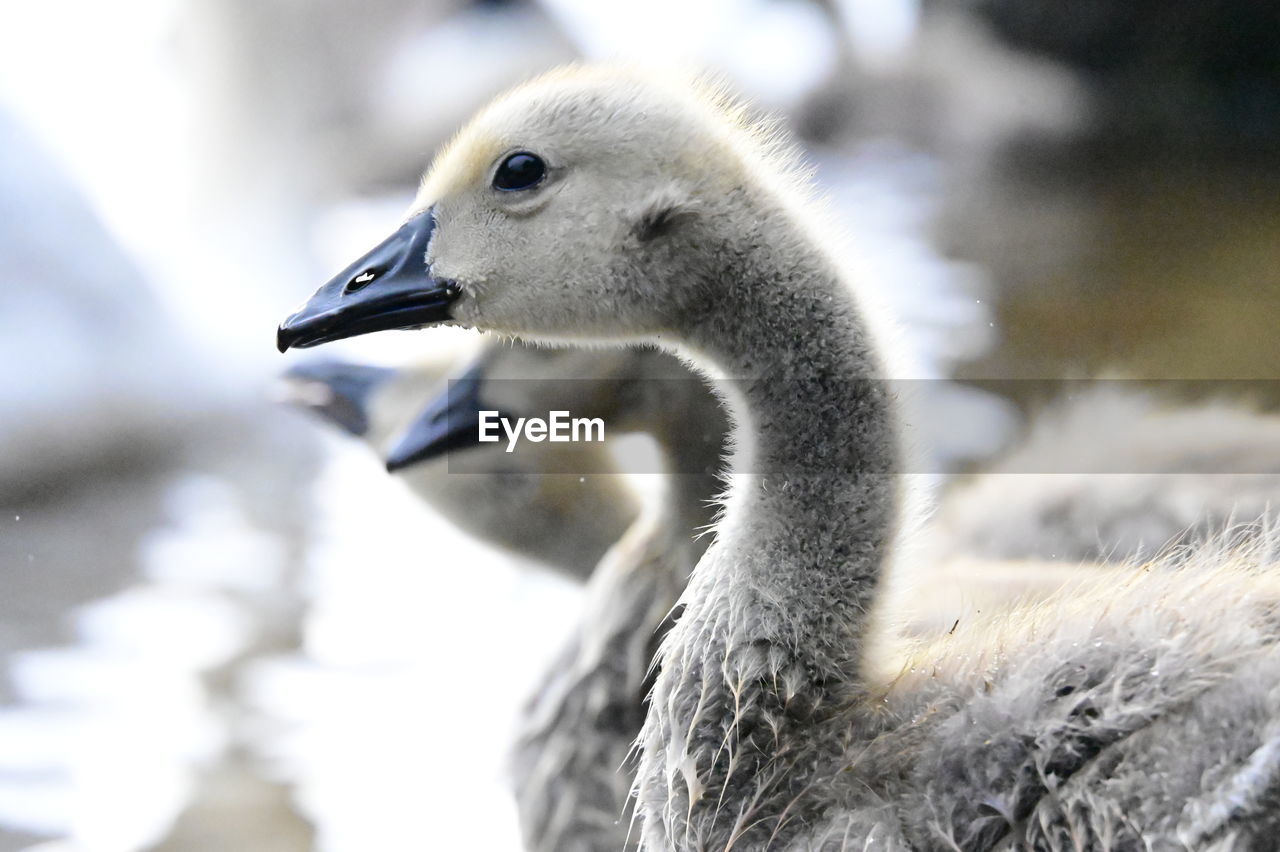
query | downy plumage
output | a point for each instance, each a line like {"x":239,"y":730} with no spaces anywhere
{"x":653,"y":211}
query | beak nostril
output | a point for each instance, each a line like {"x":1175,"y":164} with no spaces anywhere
{"x":364,"y":279}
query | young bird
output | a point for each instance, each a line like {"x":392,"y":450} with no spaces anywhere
{"x":604,"y":205}
{"x":565,"y":521}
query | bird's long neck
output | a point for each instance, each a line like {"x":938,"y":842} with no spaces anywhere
{"x":767,"y":651}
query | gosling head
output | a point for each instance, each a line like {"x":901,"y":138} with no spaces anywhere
{"x":340,"y":392}
{"x":580,"y":206}
{"x":628,"y":389}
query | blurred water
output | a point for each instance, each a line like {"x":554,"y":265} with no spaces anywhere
{"x":418,"y":647}
{"x":374,"y":666}
{"x":128,"y":598}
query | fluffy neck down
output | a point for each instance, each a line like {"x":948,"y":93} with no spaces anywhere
{"x":746,"y":706}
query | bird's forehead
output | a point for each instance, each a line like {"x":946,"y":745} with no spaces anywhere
{"x":577,"y":114}
{"x":462,"y":163}
{"x":559,"y":112}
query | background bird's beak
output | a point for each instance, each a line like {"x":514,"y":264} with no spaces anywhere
{"x":390,"y":287}
{"x":338,"y":391}
{"x":450,"y":422}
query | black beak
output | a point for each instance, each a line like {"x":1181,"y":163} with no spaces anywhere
{"x":450,"y":422}
{"x":390,"y":287}
{"x":338,"y":391}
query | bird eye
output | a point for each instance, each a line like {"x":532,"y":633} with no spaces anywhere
{"x":521,"y":170}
